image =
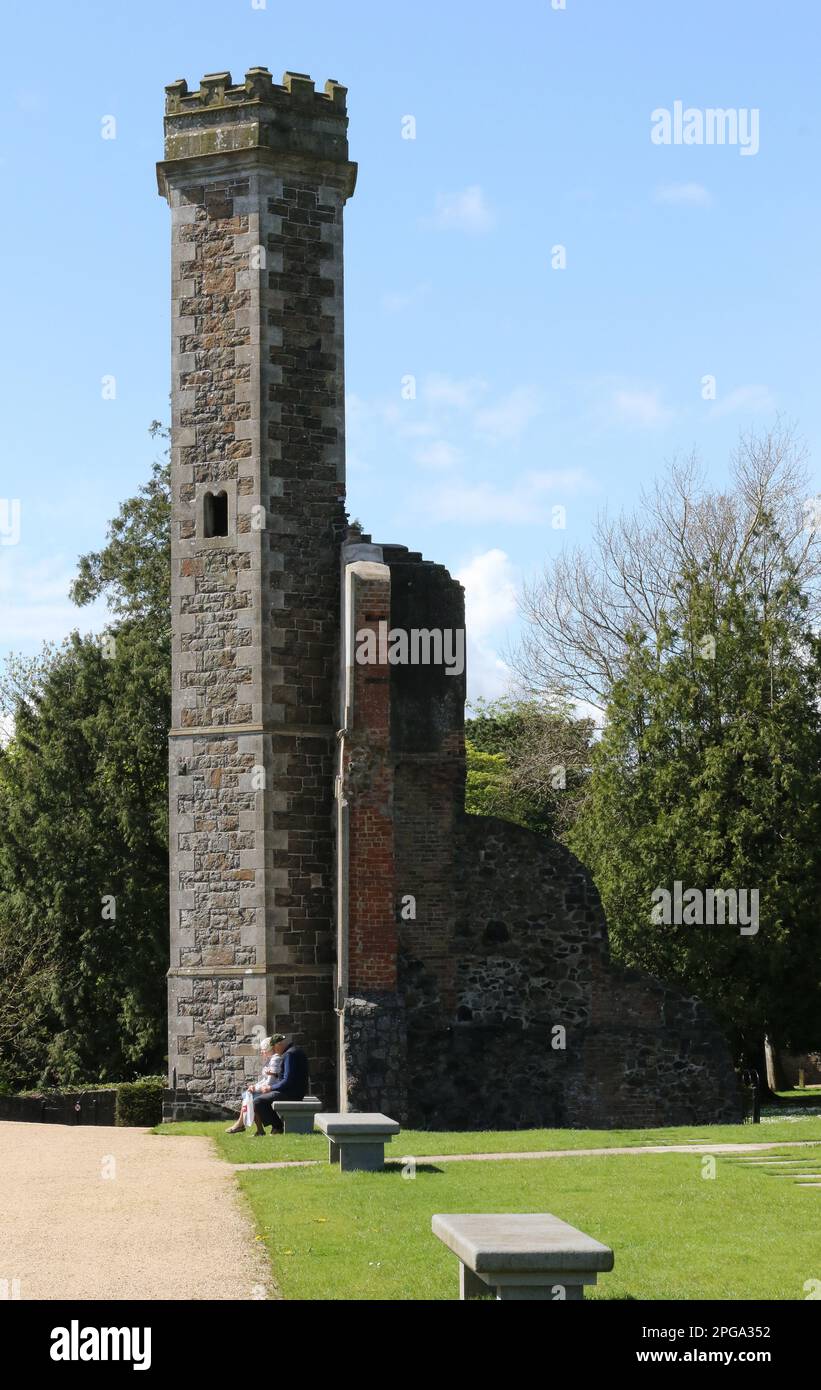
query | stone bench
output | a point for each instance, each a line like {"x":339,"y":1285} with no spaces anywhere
{"x":298,"y":1115}
{"x":521,"y":1256}
{"x":357,"y":1141}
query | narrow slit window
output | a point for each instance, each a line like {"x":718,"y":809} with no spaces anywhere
{"x":215,"y":514}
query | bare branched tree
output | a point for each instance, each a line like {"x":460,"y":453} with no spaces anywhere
{"x":21,"y":679}
{"x":585,"y":605}
{"x":551,"y":760}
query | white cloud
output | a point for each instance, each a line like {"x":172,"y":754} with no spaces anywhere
{"x":755,"y":400}
{"x":447,"y":391}
{"x":488,"y":676}
{"x":40,"y":583}
{"x":642,"y":408}
{"x":36,"y":607}
{"x":509,"y":418}
{"x":439,"y":454}
{"x":524,"y":501}
{"x":453,"y":419}
{"x":490,"y":591}
{"x":693,"y":195}
{"x":490,"y":605}
{"x":465,"y":211}
{"x":356,"y":411}
{"x":583,"y":709}
{"x":358,"y":415}
{"x":415,"y":429}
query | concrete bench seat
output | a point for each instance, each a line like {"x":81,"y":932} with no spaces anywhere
{"x":357,"y":1141}
{"x":298,"y":1115}
{"x":521,"y":1256}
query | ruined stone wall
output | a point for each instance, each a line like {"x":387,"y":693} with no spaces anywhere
{"x":514,"y":1014}
{"x":371,"y":1023}
{"x":529,"y":947}
{"x":375,"y":1044}
{"x":368,"y":788}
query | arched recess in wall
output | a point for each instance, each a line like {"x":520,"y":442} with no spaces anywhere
{"x":215,"y":514}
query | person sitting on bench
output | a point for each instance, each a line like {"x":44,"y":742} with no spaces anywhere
{"x":271,"y":1072}
{"x":292,"y":1085}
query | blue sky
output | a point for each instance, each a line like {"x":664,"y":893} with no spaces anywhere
{"x":535,"y":387}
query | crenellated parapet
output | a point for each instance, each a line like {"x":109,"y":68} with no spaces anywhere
{"x":217,"y":89}
{"x":291,"y":119}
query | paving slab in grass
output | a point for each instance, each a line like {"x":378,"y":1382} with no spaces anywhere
{"x":702,"y":1148}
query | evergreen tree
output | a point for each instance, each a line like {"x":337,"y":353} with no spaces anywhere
{"x":83,"y":826}
{"x":709,"y":773}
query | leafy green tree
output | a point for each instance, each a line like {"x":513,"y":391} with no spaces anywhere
{"x":83,"y":825}
{"x":709,"y":773}
{"x":527,"y":762}
{"x":133,"y":570}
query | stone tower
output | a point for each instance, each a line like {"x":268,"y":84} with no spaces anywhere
{"x":256,"y":175}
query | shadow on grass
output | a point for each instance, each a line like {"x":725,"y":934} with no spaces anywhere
{"x":803,"y":1100}
{"x":398,"y":1165}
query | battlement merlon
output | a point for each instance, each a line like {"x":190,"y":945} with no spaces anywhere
{"x":288,"y":124}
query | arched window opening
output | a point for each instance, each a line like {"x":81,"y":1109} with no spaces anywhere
{"x":215,"y":514}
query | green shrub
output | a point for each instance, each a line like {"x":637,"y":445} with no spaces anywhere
{"x":140,"y":1102}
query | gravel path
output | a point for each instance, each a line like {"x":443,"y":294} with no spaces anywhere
{"x":93,"y":1212}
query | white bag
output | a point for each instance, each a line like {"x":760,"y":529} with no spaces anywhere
{"x":248,"y":1109}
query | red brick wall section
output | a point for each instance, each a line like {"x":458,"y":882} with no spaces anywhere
{"x":369,"y":789}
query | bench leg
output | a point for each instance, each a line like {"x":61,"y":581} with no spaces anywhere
{"x":362,"y":1158}
{"x":471,"y":1286}
{"x":298,"y":1124}
{"x":554,"y":1292}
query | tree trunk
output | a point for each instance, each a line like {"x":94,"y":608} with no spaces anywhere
{"x":775,"y":1080}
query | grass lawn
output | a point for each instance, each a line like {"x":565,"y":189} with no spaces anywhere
{"x":750,"y":1232}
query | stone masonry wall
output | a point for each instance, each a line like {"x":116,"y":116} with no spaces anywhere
{"x":530,"y":950}
{"x":256,"y":176}
{"x":217,"y":984}
{"x":375,"y":1043}
{"x":513,"y":1013}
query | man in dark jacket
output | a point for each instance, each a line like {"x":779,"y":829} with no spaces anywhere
{"x":292,"y":1085}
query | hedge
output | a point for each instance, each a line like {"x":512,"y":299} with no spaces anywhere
{"x":136,"y":1103}
{"x":140,"y":1102}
